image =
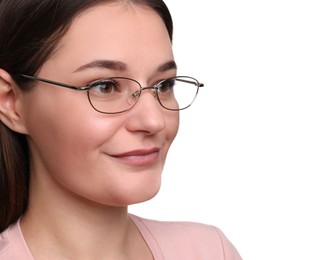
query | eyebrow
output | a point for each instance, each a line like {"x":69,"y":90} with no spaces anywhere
{"x":104,"y":64}
{"x":170,"y":65}
{"x":120,"y":66}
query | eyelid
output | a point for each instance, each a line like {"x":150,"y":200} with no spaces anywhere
{"x":154,"y":82}
{"x":93,"y":82}
{"x":87,"y":78}
{"x":164,"y":79}
{"x":103,"y":80}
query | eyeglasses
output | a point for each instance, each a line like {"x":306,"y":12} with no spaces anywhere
{"x":119,"y":94}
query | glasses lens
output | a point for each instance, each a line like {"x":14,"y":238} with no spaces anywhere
{"x":113,"y":95}
{"x":116,"y":95}
{"x":177,"y":93}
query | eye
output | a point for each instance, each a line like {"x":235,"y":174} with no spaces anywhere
{"x":107,"y":87}
{"x":166,"y":85}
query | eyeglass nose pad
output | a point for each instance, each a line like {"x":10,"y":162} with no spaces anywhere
{"x":134,"y":97}
{"x":155,"y":94}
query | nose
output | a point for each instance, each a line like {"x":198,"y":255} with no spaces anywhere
{"x":147,"y":115}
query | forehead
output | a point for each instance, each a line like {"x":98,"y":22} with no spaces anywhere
{"x":128,"y":33}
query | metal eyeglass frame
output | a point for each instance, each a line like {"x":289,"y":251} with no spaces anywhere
{"x":88,"y":86}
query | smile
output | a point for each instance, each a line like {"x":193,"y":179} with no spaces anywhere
{"x":139,"y":157}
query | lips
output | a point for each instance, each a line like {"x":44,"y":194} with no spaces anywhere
{"x":139,"y":157}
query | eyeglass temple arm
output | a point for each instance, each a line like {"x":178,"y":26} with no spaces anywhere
{"x":191,"y":82}
{"x":54,"y":82}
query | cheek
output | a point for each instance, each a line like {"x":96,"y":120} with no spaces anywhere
{"x":66,"y":130}
{"x":172,"y":124}
{"x":72,"y":137}
{"x":66,"y":154}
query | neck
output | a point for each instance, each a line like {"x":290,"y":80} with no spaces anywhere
{"x":70,"y":227}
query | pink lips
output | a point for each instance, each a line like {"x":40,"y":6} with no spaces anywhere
{"x":139,"y":157}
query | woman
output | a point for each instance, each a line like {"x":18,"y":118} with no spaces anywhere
{"x":89,"y":103}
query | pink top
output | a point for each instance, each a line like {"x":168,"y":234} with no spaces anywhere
{"x":166,"y":240}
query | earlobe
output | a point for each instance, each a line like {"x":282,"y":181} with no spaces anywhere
{"x":8,"y":103}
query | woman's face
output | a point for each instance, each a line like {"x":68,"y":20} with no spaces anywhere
{"x":75,"y":150}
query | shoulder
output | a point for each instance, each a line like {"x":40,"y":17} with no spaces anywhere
{"x":12,"y":245}
{"x":189,"y":239}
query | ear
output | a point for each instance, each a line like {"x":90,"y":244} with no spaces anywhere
{"x":9,"y":103}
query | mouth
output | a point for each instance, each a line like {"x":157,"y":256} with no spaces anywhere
{"x":139,"y":157}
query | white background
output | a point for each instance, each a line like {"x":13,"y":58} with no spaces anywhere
{"x":240,"y":160}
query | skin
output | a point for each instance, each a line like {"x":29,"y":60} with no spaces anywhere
{"x":82,"y":179}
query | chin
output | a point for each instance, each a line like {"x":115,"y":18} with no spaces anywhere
{"x":144,"y":198}
{"x":140,"y":187}
{"x":135,"y":196}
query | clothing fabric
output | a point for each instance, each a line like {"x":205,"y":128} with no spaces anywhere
{"x":185,"y":240}
{"x":166,"y":240}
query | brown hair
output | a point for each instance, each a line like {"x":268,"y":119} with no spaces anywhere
{"x":29,"y":32}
